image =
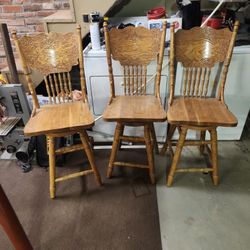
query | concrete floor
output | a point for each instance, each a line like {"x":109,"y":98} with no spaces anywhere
{"x":196,"y":215}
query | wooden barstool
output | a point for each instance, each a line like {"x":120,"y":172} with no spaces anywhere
{"x":199,"y":50}
{"x":53,"y":55}
{"x":135,"y":48}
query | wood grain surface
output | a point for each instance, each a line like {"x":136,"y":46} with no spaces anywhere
{"x":52,"y":52}
{"x":201,"y":47}
{"x":60,"y":118}
{"x":200,"y":112}
{"x":135,"y":109}
{"x":134,"y":46}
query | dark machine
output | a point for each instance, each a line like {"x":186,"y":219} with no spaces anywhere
{"x":15,"y":114}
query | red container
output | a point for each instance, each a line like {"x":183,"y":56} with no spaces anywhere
{"x":213,"y":22}
{"x":156,"y":13}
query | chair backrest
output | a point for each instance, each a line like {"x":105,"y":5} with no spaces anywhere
{"x":52,"y":54}
{"x":135,"y":48}
{"x":200,"y":51}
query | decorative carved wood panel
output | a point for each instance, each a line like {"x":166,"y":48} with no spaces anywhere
{"x":134,"y":46}
{"x":201,"y":47}
{"x":50,"y":53}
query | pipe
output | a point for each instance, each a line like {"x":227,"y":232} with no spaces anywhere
{"x":217,"y":7}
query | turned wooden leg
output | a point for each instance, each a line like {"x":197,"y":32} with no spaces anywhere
{"x":154,"y":139}
{"x":11,"y":224}
{"x":170,"y":132}
{"x":89,"y":153}
{"x":115,"y":146}
{"x":177,"y":154}
{"x":121,"y":134}
{"x":202,"y":138}
{"x":214,"y":155}
{"x":150,"y":156}
{"x":52,"y":166}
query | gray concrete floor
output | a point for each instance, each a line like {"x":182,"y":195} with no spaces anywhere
{"x":196,"y":215}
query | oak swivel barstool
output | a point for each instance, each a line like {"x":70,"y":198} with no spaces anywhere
{"x":201,"y":106}
{"x":135,"y":48}
{"x":53,"y":54}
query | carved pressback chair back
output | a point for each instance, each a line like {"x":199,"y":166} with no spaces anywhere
{"x":52,"y":54}
{"x":200,"y":51}
{"x":135,"y":48}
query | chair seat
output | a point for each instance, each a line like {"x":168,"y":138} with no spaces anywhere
{"x":200,"y":112}
{"x":135,"y":109}
{"x":60,"y":118}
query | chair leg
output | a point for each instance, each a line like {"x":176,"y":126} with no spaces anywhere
{"x":154,"y":139}
{"x":202,"y":138}
{"x":179,"y":146}
{"x":52,"y":166}
{"x":89,"y":153}
{"x":115,"y":146}
{"x":214,"y":156}
{"x":170,"y":132}
{"x":150,"y":154}
{"x":121,"y":134}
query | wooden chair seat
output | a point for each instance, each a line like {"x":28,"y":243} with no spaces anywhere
{"x":61,"y":118}
{"x":200,"y":112}
{"x":135,"y":109}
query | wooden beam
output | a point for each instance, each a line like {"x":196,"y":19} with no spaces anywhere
{"x":9,"y":53}
{"x":11,"y":224}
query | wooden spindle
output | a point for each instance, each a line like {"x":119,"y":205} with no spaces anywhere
{"x":128,"y":78}
{"x":193,"y":81}
{"x":171,"y":65}
{"x":185,"y":72}
{"x":81,"y":66}
{"x":145,"y":78}
{"x":207,"y":81}
{"x":124,"y":80}
{"x":199,"y":72}
{"x":133,"y":80}
{"x":203,"y":75}
{"x":66,"y":86}
{"x":47,"y":89}
{"x":109,"y":61}
{"x":52,"y":88}
{"x":57,"y":88}
{"x":61,"y":87}
{"x":227,"y":62}
{"x":140,"y":75}
{"x":70,"y":86}
{"x":160,"y":60}
{"x":136,"y":76}
{"x":189,"y":79}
